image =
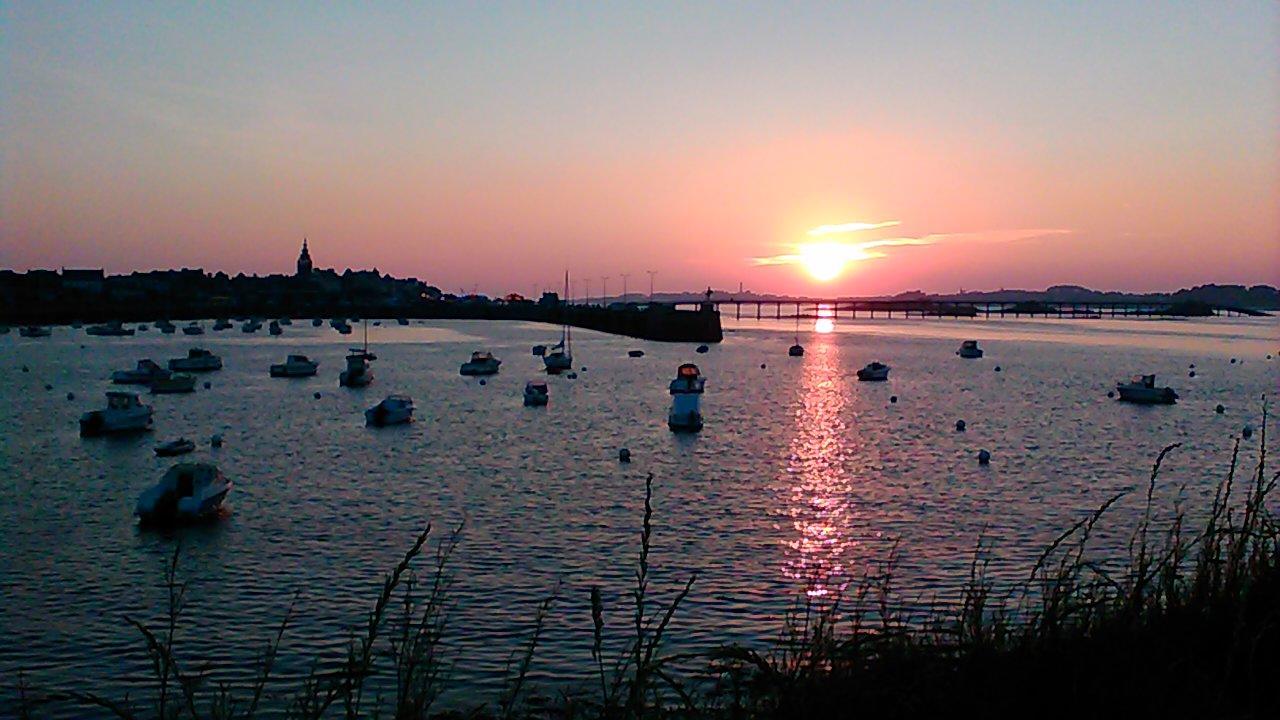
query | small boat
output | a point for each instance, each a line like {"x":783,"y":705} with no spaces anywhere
{"x":316,"y":322}
{"x":560,"y":357}
{"x":357,"y":373}
{"x":167,"y":327}
{"x":275,"y":329}
{"x":112,"y":329}
{"x":34,"y":331}
{"x":873,"y":372}
{"x":251,"y":326}
{"x":187,"y":492}
{"x":286,"y":321}
{"x":173,"y":448}
{"x":635,"y":353}
{"x":686,"y":399}
{"x":145,"y":373}
{"x":402,"y":321}
{"x":178,"y":383}
{"x":221,"y":324}
{"x":143,"y":327}
{"x":481,"y":363}
{"x":536,"y":393}
{"x":969,"y":350}
{"x":123,"y":413}
{"x":1142,"y":390}
{"x":193,"y":329}
{"x":197,"y":360}
{"x":342,"y":326}
{"x":295,"y":366}
{"x":393,"y":410}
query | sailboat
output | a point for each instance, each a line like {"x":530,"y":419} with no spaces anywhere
{"x":796,"y":350}
{"x":358,"y":373}
{"x":560,"y":356}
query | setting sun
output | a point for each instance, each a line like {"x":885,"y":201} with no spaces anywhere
{"x":824,"y":260}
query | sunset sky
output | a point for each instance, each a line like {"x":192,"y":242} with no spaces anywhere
{"x":819,"y":149}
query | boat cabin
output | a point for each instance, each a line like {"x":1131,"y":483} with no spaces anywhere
{"x":122,"y":400}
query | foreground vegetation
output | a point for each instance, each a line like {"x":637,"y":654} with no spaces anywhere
{"x":1189,"y":626}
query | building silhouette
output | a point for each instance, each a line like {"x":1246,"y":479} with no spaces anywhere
{"x":304,"y":261}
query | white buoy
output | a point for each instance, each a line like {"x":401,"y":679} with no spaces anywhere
{"x":686,"y":399}
{"x":984,"y":457}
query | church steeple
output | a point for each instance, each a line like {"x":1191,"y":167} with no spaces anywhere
{"x":304,"y":260}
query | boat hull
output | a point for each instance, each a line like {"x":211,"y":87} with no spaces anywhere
{"x":281,"y":371}
{"x":374,"y":418}
{"x":98,"y":423}
{"x":1147,"y":396}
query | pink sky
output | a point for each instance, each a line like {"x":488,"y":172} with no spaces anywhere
{"x":517,"y":154}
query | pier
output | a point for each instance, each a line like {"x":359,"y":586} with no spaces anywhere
{"x":888,"y":309}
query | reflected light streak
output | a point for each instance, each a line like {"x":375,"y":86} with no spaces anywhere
{"x":826,"y":321}
{"x":816,"y":485}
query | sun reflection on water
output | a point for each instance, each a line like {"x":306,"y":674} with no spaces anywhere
{"x":816,"y":484}
{"x":826,"y":320}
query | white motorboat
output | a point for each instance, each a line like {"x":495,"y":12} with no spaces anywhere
{"x":176,"y":383}
{"x":173,"y":448}
{"x":393,"y":410}
{"x":536,"y":393}
{"x":275,"y":329}
{"x":144,"y":374}
{"x":187,"y":492}
{"x":481,"y":363}
{"x":295,"y":366}
{"x":34,"y":331}
{"x":1142,"y":390}
{"x":193,"y":329}
{"x":874,"y":372}
{"x":112,"y":329}
{"x":123,"y":413}
{"x":686,"y":399}
{"x":969,"y":350}
{"x":197,"y":360}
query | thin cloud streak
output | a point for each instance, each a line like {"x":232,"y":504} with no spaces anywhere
{"x":867,"y":250}
{"x":851,"y":227}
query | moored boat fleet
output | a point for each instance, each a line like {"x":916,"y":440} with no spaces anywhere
{"x":196,"y":490}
